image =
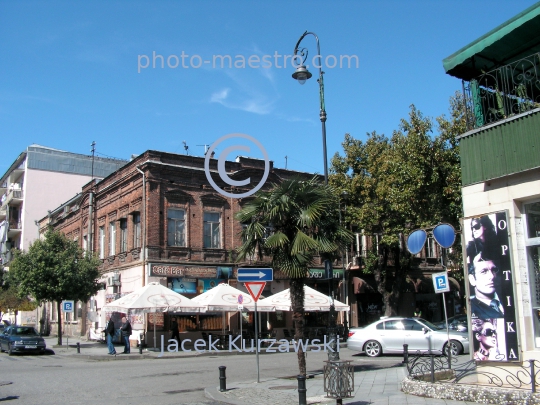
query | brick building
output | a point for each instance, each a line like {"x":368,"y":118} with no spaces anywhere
{"x":158,"y":219}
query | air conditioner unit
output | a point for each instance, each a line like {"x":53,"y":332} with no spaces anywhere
{"x":66,"y":209}
{"x":110,"y":282}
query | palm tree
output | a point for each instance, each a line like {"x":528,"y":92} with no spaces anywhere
{"x":293,"y":222}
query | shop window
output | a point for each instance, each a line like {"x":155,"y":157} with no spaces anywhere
{"x":136,"y":230}
{"x":101,"y":242}
{"x":176,"y":227}
{"x":212,"y":230}
{"x":532,"y":241}
{"x":533,"y":220}
{"x":123,"y":235}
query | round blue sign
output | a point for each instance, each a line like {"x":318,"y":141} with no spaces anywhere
{"x":445,"y":235}
{"x":416,"y":240}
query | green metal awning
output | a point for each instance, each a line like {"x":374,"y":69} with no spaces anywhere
{"x":515,"y":39}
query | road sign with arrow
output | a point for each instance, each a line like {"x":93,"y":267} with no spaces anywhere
{"x":248,"y":275}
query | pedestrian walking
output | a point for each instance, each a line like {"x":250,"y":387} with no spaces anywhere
{"x":109,"y":332}
{"x":174,"y":329}
{"x":126,"y":333}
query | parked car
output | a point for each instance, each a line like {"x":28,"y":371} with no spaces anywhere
{"x":388,"y":335}
{"x":458,"y":322}
{"x":17,"y":338}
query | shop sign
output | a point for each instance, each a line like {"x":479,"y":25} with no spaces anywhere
{"x":171,"y":270}
{"x":319,"y":274}
{"x":166,"y":270}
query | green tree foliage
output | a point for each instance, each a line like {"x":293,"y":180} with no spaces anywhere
{"x":55,"y":269}
{"x":292,"y":223}
{"x":9,"y":297}
{"x":409,"y":181}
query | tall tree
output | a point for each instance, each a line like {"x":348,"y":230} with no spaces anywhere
{"x":398,"y":184}
{"x":292,"y":223}
{"x":55,"y":269}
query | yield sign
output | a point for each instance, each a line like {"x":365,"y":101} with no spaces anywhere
{"x":255,"y":289}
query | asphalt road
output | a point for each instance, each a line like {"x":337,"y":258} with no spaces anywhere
{"x":58,"y":379}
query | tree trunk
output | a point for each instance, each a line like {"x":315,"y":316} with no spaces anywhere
{"x":297,"y":303}
{"x":58,"y":308}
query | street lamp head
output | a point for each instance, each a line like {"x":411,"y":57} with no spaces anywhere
{"x":301,"y":74}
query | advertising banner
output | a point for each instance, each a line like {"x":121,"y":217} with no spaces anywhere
{"x":490,"y":282}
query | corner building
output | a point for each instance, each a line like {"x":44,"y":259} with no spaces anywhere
{"x":157,"y":219}
{"x":500,"y":159}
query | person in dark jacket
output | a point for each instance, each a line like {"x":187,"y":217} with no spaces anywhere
{"x":126,"y":333}
{"x":109,"y":332}
{"x":174,"y":329}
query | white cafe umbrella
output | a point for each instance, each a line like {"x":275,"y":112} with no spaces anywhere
{"x":152,"y":298}
{"x":314,"y":301}
{"x":223,"y":297}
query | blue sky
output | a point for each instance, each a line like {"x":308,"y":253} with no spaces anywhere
{"x":69,"y":72}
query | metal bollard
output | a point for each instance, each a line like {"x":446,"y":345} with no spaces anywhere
{"x":405,"y":354}
{"x":533,"y":377}
{"x":222,"y":379}
{"x":78,"y":347}
{"x":301,"y":389}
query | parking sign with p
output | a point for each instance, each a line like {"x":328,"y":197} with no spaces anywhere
{"x":440,"y":282}
{"x":68,"y":306}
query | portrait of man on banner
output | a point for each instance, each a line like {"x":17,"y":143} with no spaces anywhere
{"x":491,"y":287}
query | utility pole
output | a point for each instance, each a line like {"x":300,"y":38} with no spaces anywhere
{"x":285,"y":162}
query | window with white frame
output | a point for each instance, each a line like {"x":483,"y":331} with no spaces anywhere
{"x":211,"y":230}
{"x":532,"y":243}
{"x":123,"y":235}
{"x":430,"y":247}
{"x":112,"y":238}
{"x":101,"y":237}
{"x":176,"y":227}
{"x":136,"y":230}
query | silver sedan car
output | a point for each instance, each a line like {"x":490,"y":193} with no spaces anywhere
{"x":388,"y":335}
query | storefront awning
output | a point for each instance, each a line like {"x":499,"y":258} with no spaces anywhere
{"x":509,"y":42}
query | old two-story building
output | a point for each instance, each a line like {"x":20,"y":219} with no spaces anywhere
{"x":500,"y":160}
{"x":157,"y":219}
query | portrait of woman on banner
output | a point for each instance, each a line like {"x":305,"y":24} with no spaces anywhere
{"x":488,"y":340}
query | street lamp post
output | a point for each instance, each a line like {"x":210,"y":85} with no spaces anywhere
{"x":302,"y":74}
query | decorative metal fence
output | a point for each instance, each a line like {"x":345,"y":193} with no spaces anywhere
{"x":501,"y":93}
{"x":431,"y":367}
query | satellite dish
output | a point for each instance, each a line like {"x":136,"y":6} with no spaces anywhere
{"x":445,"y":235}
{"x":416,"y":240}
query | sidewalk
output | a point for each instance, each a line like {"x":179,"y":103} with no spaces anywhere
{"x":377,"y":387}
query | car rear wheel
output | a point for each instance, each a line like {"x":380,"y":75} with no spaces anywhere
{"x":455,"y":347}
{"x":373,"y":348}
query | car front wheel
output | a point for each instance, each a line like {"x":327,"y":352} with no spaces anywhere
{"x":455,"y":347}
{"x":10,"y":349}
{"x":373,"y":348}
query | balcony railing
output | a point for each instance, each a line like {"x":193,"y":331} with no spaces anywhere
{"x":11,"y":195}
{"x":502,"y":93}
{"x":15,"y":225}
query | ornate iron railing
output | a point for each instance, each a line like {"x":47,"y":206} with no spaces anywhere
{"x":501,"y":93}
{"x":426,"y":366}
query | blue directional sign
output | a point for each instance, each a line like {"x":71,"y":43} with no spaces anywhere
{"x":68,"y":306}
{"x":249,"y":275}
{"x":440,"y":282}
